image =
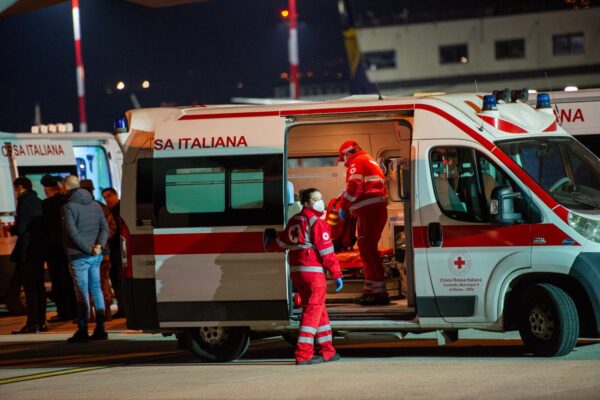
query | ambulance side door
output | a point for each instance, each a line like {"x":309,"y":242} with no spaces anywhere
{"x":211,"y":206}
{"x":468,"y":257}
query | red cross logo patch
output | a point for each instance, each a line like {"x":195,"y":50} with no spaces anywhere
{"x":459,"y":263}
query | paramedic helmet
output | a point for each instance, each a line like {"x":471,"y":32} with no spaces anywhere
{"x":348,"y":147}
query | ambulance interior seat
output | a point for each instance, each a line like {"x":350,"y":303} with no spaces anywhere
{"x":444,"y":189}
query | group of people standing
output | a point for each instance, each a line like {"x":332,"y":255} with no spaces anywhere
{"x":78,"y":238}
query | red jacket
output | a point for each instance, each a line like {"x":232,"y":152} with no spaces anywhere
{"x":308,"y":239}
{"x":365,"y":182}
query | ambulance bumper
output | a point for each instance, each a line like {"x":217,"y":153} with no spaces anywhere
{"x":586,"y":269}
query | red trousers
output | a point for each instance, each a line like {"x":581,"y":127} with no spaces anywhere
{"x":370,"y":224}
{"x":314,"y":325}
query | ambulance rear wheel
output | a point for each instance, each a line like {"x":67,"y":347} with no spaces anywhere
{"x":548,"y":321}
{"x":218,"y":344}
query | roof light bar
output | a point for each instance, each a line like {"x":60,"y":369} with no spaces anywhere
{"x":489,"y":103}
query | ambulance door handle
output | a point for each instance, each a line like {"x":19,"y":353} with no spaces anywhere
{"x":434,"y":234}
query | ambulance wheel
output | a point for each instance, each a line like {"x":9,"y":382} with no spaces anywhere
{"x":548,"y":321}
{"x":218,"y":344}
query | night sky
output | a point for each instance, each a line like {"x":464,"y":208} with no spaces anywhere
{"x":192,"y":54}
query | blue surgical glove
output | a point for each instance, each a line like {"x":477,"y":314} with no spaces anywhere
{"x":339,"y":284}
{"x":342,"y":214}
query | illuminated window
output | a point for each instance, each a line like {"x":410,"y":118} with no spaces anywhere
{"x":454,"y":54}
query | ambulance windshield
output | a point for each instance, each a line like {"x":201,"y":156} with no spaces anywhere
{"x":562,"y":166}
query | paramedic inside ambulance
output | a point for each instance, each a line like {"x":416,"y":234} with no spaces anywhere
{"x":366,"y":198}
{"x":310,"y":254}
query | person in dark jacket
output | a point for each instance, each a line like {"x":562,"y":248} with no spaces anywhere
{"x":105,"y":265}
{"x":111,"y":198}
{"x":63,"y":291}
{"x":28,"y":256}
{"x":85,"y":234}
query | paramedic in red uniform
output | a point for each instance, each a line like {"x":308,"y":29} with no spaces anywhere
{"x":366,"y":198}
{"x":310,"y":253}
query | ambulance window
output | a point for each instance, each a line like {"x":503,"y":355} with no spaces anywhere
{"x":195,"y":190}
{"x":35,"y":175}
{"x":247,"y":187}
{"x":92,"y":163}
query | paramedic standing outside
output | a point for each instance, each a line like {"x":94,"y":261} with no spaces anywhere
{"x":311,"y":252}
{"x":366,"y":197}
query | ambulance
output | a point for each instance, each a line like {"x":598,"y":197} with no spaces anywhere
{"x":493,"y":219}
{"x":51,"y":150}
{"x":578,"y":112}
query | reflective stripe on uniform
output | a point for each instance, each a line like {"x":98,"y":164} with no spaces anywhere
{"x":293,"y":246}
{"x":366,"y":202}
{"x":349,"y":197}
{"x":355,"y":176}
{"x":323,"y":339}
{"x":304,"y":339}
{"x":304,"y":268}
{"x":378,"y":290}
{"x":324,"y":328}
{"x":307,"y":329}
{"x":373,"y":178}
{"x":326,"y":251}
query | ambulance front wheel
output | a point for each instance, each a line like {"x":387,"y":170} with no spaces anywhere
{"x":217,"y":344}
{"x":548,"y":321}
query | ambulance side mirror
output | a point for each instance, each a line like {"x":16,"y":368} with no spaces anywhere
{"x":502,"y":206}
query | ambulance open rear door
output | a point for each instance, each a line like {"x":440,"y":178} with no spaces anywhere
{"x":218,"y":184}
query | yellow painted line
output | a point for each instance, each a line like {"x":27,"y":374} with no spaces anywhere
{"x":51,"y":374}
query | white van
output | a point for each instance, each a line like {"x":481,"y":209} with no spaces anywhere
{"x":95,"y":155}
{"x":494,"y":219}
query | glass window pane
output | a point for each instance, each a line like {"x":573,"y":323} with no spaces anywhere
{"x":195,"y":190}
{"x":247,"y":188}
{"x":375,"y":60}
{"x":569,"y":43}
{"x":453,"y":54}
{"x":506,"y":49}
{"x":92,"y":164}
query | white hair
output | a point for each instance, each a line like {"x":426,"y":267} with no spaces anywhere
{"x":71,"y":182}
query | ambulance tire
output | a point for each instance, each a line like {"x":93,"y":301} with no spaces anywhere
{"x":218,"y":344}
{"x":548,"y":321}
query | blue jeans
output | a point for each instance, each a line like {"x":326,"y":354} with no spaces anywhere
{"x":86,"y":277}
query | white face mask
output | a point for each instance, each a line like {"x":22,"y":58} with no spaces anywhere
{"x":319,"y":205}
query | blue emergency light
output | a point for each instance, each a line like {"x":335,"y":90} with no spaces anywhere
{"x":489,"y":103}
{"x":543,"y":101}
{"x":121,"y":124}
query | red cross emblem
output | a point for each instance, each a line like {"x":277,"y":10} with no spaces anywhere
{"x":459,"y":262}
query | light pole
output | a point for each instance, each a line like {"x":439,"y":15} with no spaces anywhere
{"x":79,"y":66}
{"x":293,"y":57}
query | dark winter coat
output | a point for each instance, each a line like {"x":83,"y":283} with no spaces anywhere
{"x":28,"y":228}
{"x":84,"y":224}
{"x":51,"y":208}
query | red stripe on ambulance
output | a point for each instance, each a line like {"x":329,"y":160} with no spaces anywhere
{"x":197,"y":243}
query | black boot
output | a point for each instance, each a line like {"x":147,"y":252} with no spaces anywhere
{"x":80,"y":336}
{"x":99,"y":331}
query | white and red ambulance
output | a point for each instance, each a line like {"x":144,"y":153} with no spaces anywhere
{"x":94,"y":155}
{"x":494,"y":219}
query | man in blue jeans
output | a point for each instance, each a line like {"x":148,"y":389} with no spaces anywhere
{"x":85,"y":234}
